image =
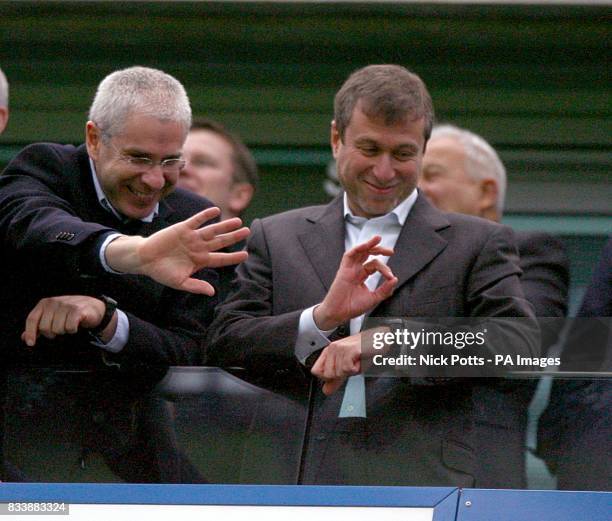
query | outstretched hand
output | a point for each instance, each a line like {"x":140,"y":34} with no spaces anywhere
{"x":172,"y":255}
{"x":349,"y":296}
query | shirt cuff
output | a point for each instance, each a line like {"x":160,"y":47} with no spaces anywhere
{"x":310,"y":338}
{"x":120,"y":338}
{"x":105,"y":244}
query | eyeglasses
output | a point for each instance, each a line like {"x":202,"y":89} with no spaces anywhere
{"x":171,"y":165}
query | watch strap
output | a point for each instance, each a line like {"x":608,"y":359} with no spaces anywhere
{"x":109,"y":310}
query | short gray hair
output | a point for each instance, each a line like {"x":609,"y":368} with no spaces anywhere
{"x":139,"y":90}
{"x":481,"y":160}
{"x":4,"y":90}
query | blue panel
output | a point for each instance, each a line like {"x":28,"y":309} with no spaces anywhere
{"x":226,"y":495}
{"x":446,"y":510}
{"x":527,"y":505}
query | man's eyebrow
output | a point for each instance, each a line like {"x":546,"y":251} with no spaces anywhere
{"x":134,"y":151}
{"x":407,"y":146}
{"x":365,"y":139}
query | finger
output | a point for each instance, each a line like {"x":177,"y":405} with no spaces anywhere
{"x":381,"y":250}
{"x":31,"y":326}
{"x":375,"y":265}
{"x":349,"y":366}
{"x":227,"y":239}
{"x":46,"y":319}
{"x":58,"y":321}
{"x":197,"y":220}
{"x":386,"y":289}
{"x":317,"y":367}
{"x":197,"y":286}
{"x":212,"y":230}
{"x":73,"y":321}
{"x":218,"y":260}
{"x":364,"y":247}
{"x":329,"y":369}
{"x":331,"y":386}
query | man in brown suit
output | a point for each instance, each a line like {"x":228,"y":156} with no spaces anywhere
{"x":314,"y":273}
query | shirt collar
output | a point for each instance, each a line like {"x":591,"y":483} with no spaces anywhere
{"x":106,"y":204}
{"x":399,"y":213}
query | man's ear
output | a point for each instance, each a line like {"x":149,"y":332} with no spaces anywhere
{"x":4,"y":116}
{"x":93,"y":139}
{"x":335,"y":139}
{"x":240,"y":197}
{"x":489,"y":193}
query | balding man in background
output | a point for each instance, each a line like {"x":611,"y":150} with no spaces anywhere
{"x":4,"y":99}
{"x":462,"y":173}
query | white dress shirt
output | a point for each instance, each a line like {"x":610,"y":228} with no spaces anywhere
{"x":357,"y":231}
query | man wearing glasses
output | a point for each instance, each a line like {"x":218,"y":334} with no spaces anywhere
{"x":105,"y":265}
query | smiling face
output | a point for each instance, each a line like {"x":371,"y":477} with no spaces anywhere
{"x":133,"y":190}
{"x":378,"y":164}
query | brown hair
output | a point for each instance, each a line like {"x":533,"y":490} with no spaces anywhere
{"x":245,"y":168}
{"x":388,"y":91}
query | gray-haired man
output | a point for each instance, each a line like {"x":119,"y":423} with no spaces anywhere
{"x":108,"y":262}
{"x":462,"y":173}
{"x":4,"y":101}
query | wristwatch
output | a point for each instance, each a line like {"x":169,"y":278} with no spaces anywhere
{"x":110,"y":308}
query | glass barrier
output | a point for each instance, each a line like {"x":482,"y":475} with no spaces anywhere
{"x":204,"y":424}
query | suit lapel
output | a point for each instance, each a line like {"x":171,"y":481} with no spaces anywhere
{"x":419,"y":241}
{"x":323,"y":244}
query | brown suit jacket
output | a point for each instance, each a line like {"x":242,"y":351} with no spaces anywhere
{"x":447,"y":265}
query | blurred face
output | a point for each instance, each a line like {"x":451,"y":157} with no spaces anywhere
{"x":209,"y":167}
{"x":445,"y":181}
{"x":133,"y":189}
{"x":378,"y":165}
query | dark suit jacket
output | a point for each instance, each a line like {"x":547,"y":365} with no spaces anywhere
{"x":575,"y":429}
{"x":501,"y":411}
{"x":447,"y":265}
{"x":545,"y":278}
{"x":51,"y":229}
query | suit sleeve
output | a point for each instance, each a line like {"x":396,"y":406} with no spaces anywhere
{"x":545,"y":278}
{"x":245,"y":333}
{"x":175,"y":336}
{"x":53,"y":251}
{"x":35,"y":214}
{"x":495,"y":291}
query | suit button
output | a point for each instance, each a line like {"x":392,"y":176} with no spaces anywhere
{"x":65,"y":236}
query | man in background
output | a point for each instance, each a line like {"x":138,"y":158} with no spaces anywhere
{"x":221,"y":168}
{"x":575,"y":430}
{"x":462,"y":173}
{"x":4,"y":101}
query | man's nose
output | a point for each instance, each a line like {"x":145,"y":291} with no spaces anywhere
{"x":383,"y":169}
{"x":154,"y":178}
